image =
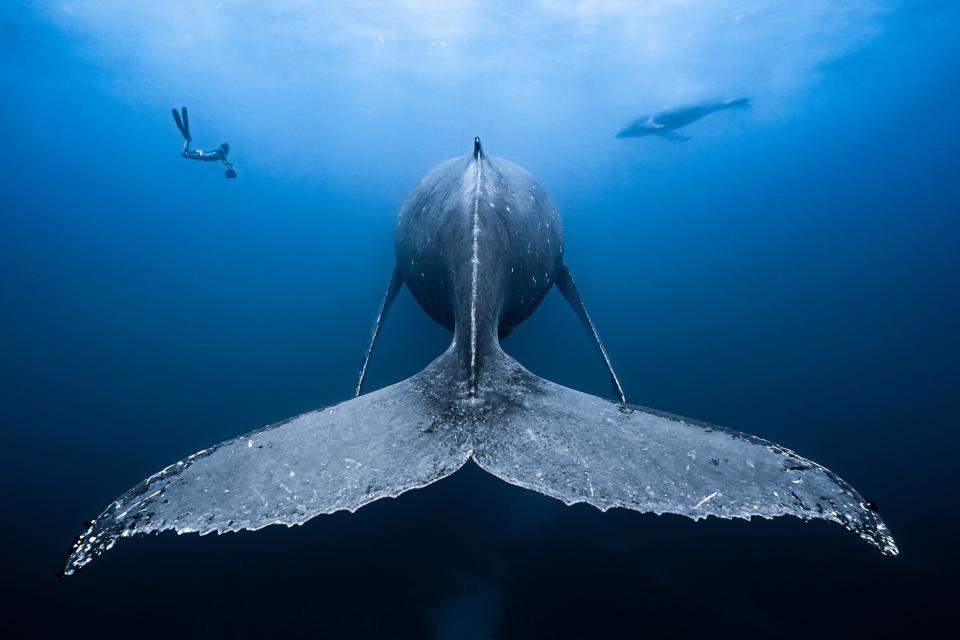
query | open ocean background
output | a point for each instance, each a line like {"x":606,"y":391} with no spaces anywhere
{"x":791,"y":272}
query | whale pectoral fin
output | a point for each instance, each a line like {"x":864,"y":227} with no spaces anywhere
{"x":568,"y":288}
{"x":579,"y":448}
{"x":379,"y":445}
{"x":396,"y":281}
{"x":670,"y":134}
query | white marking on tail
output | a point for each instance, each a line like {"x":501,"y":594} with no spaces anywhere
{"x":707,"y":499}
{"x":475,"y":264}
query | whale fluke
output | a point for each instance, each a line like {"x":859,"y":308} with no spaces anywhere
{"x":340,"y":458}
{"x":526,"y":430}
{"x":580,"y":448}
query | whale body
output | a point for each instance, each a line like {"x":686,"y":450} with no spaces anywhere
{"x":666,"y":123}
{"x":479,"y":244}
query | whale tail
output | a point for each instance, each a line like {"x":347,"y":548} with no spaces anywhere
{"x":577,"y":447}
{"x":521,"y":428}
{"x":339,"y":458}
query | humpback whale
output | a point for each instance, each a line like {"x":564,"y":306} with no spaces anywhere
{"x":666,"y":123}
{"x":479,"y":243}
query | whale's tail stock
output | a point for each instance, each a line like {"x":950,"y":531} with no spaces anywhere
{"x":525,"y":430}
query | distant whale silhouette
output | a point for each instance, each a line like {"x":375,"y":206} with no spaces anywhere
{"x":479,"y":244}
{"x":666,"y":123}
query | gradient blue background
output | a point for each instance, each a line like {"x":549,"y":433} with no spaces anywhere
{"x":790,"y":274}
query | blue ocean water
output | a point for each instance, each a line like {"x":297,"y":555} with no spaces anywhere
{"x":790,"y":272}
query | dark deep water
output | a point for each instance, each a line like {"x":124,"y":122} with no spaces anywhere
{"x":791,"y":273}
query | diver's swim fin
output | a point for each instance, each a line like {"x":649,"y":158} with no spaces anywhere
{"x":178,"y":121}
{"x":568,"y":288}
{"x":396,"y":281}
{"x":182,"y":123}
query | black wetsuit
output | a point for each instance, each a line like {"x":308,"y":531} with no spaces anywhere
{"x":183,"y":124}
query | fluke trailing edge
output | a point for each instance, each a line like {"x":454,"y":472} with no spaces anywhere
{"x":479,"y":244}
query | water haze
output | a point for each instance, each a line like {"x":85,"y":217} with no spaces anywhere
{"x":790,"y":271}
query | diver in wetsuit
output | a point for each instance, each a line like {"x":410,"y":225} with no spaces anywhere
{"x":183,"y":124}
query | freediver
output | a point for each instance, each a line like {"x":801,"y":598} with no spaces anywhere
{"x":183,"y":124}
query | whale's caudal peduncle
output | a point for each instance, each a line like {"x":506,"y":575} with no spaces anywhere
{"x":479,"y":244}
